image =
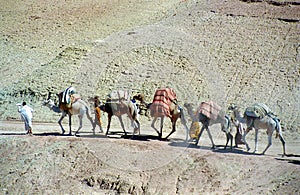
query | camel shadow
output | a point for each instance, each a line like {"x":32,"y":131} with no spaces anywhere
{"x":50,"y":134}
{"x":293,"y":161}
{"x":12,"y":134}
{"x":143,"y":137}
{"x":187,"y":144}
{"x":92,"y":136}
{"x":234,"y":150}
{"x":218,"y":148}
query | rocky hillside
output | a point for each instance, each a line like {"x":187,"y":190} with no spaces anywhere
{"x":233,"y":51}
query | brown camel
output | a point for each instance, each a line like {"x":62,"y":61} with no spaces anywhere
{"x":119,"y":108}
{"x":164,"y":105}
{"x":207,"y":121}
{"x":269,"y":122}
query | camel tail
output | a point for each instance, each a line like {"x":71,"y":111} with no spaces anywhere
{"x":88,"y":112}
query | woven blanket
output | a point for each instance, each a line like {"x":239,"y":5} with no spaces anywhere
{"x":161,"y":102}
{"x":210,"y":109}
{"x":258,"y":110}
{"x":119,"y":95}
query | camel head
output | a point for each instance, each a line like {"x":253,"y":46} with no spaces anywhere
{"x":139,"y":97}
{"x":233,"y":107}
{"x":190,"y":109}
{"x":188,"y":106}
{"x":49,"y":103}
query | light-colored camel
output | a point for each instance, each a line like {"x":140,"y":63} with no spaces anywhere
{"x":79,"y":107}
{"x":222,"y":119}
{"x":119,"y":108}
{"x":268,"y":122}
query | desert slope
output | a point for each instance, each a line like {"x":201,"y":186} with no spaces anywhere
{"x":226,"y":51}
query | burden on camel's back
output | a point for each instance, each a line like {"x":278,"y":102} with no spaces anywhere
{"x":258,"y":110}
{"x":67,"y":98}
{"x":165,"y":104}
{"x":119,"y":95}
{"x":210,"y":109}
{"x":118,"y":99}
{"x":161,"y":102}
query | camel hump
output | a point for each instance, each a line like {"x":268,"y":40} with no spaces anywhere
{"x":257,"y":110}
{"x":119,"y":95}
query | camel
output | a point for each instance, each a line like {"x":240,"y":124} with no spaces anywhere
{"x":269,"y":122}
{"x":79,"y":107}
{"x":119,"y":108}
{"x":174,"y":113}
{"x":221,"y":118}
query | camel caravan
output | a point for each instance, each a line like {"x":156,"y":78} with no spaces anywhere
{"x":166,"y":105}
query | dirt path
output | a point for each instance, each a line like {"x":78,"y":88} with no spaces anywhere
{"x":50,"y":163}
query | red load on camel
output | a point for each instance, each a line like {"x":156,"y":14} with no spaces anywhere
{"x":210,"y":109}
{"x":161,"y":102}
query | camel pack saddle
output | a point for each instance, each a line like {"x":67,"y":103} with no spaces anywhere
{"x":210,"y":109}
{"x":258,"y":110}
{"x":161,"y":102}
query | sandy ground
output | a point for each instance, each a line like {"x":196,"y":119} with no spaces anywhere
{"x":226,"y":51}
{"x":48,"y":163}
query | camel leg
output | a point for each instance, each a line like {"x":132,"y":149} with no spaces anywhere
{"x":228,"y":137}
{"x":201,"y":131}
{"x":279,"y":132}
{"x":92,"y":122}
{"x":256,"y":141}
{"x":283,"y":144}
{"x":173,"y":128}
{"x":122,"y":124}
{"x":210,"y":137}
{"x":108,"y":123}
{"x":161,"y":126}
{"x":60,"y":120}
{"x":70,"y":124}
{"x":153,"y":126}
{"x":269,"y":142}
{"x":80,"y":124}
{"x":244,"y":139}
